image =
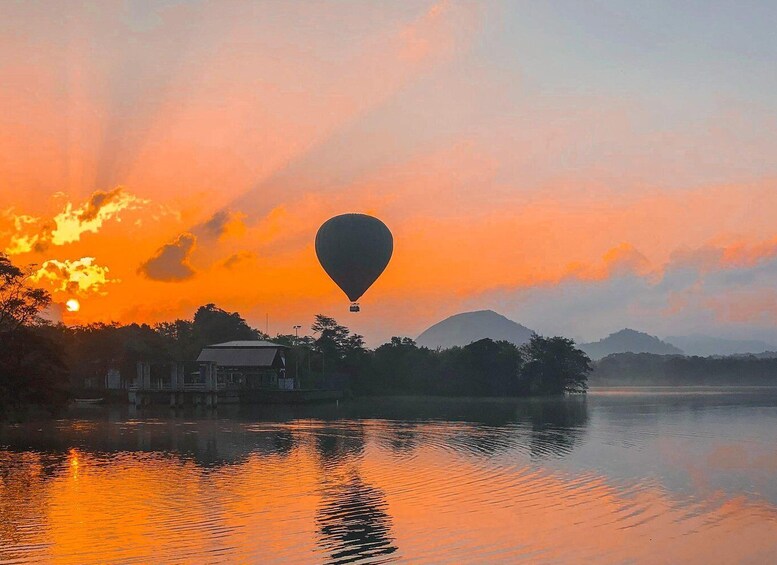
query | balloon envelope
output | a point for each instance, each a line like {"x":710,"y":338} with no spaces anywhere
{"x":354,"y":249}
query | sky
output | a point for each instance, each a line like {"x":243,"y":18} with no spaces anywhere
{"x":577,"y":167}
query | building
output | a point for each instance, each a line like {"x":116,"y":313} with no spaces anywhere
{"x":244,"y":365}
{"x":235,"y":372}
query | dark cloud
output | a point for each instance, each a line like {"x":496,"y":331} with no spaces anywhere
{"x":220,"y":223}
{"x":96,"y":202}
{"x":40,"y":246}
{"x":237,"y":258}
{"x":217,"y":224}
{"x":171,"y":262}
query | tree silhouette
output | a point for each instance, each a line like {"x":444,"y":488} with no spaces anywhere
{"x":32,"y":369}
{"x":554,"y":366}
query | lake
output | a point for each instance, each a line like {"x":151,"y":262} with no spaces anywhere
{"x":620,"y":476}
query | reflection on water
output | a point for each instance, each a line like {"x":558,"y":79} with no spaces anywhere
{"x":353,"y":521}
{"x":351,"y":516}
{"x":620,"y":476}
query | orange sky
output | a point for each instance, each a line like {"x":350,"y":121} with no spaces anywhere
{"x":157,"y":157}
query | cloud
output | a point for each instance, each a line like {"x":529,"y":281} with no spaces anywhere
{"x":23,"y":243}
{"x":729,"y":255}
{"x":101,"y":206}
{"x":171,"y":261}
{"x":717,"y":289}
{"x":82,"y":276}
{"x":19,"y":242}
{"x":748,"y":305}
{"x":233,"y":260}
{"x":33,"y":234}
{"x":623,"y":259}
{"x":223,"y":223}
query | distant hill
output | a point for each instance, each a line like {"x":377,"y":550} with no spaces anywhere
{"x":628,"y":341}
{"x":463,"y":329}
{"x":704,"y":345}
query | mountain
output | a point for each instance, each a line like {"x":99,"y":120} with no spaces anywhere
{"x":463,"y":329}
{"x":704,"y":345}
{"x":628,"y":341}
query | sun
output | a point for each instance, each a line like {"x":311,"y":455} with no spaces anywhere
{"x":73,"y":305}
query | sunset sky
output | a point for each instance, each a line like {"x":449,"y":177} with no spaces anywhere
{"x":579,"y":167}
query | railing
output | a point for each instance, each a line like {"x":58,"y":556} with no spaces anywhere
{"x":186,"y":387}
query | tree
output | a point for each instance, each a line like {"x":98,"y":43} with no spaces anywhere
{"x":92,"y":350}
{"x":20,"y":303}
{"x":341,"y":351}
{"x":181,"y":340}
{"x":32,"y":369}
{"x":332,"y":338}
{"x":554,"y":366}
{"x":32,"y":372}
{"x":331,"y":335}
{"x":212,"y":325}
{"x":401,"y":367}
{"x":298,"y":359}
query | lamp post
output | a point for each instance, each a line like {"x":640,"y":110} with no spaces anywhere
{"x":296,"y":356}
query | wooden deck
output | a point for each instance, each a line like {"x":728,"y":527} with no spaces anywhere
{"x":191,"y":396}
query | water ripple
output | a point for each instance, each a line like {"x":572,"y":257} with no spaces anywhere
{"x":537,"y":487}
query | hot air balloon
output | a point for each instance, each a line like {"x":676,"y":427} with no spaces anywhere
{"x":354,"y":249}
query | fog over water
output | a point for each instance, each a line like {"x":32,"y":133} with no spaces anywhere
{"x":621,"y":475}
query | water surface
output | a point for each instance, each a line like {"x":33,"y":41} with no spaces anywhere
{"x":619,"y":476}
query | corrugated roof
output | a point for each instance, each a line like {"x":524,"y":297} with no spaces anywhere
{"x":238,"y":356}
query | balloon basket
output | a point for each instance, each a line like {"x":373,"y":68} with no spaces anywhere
{"x":354,"y":307}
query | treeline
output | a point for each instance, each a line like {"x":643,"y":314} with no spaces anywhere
{"x":645,"y":369}
{"x":43,"y":364}
{"x":333,"y":357}
{"x":90,"y":351}
{"x":545,"y":366}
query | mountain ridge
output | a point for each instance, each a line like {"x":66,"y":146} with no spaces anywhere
{"x":466,"y":327}
{"x":628,"y":341}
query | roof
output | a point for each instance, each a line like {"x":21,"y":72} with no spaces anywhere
{"x":253,"y":344}
{"x":241,"y":353}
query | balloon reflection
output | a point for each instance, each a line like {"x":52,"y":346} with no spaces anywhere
{"x":353,"y":522}
{"x":429,"y":481}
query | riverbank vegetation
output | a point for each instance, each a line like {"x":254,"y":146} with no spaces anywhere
{"x":650,"y":369}
{"x":334,"y":357}
{"x":42,"y":363}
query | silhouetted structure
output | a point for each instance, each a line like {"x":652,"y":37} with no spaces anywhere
{"x":245,"y":365}
{"x":232,"y":372}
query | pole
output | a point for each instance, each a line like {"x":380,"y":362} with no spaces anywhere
{"x":296,"y":354}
